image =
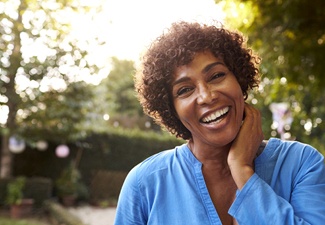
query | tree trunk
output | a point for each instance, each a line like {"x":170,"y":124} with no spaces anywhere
{"x":13,"y":98}
{"x":6,"y":158}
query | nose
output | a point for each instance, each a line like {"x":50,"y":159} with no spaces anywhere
{"x":205,"y":94}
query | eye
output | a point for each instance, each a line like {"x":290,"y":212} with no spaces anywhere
{"x":218,"y":75}
{"x":183,"y":91}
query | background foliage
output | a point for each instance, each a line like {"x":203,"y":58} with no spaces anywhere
{"x":40,"y":72}
{"x":289,"y":36}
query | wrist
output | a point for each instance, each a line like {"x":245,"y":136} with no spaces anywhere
{"x":241,"y":174}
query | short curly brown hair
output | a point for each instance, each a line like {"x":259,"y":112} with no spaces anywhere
{"x":177,"y":47}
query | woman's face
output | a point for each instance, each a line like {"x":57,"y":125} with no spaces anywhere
{"x":208,"y":100}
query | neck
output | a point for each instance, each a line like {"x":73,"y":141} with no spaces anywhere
{"x":212,"y":158}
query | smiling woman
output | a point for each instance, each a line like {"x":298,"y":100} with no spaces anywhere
{"x":194,"y":80}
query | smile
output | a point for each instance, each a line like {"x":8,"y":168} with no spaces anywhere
{"x":214,"y":117}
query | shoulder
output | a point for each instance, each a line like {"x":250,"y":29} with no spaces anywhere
{"x":155,"y":164}
{"x":291,"y":151}
{"x":293,"y":147}
{"x":289,"y":161}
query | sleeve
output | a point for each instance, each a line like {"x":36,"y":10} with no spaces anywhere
{"x":129,"y":209}
{"x":257,"y":202}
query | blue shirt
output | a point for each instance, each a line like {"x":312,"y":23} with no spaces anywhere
{"x":288,"y":187}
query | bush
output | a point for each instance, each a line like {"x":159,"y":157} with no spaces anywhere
{"x":37,"y":188}
{"x":15,"y":188}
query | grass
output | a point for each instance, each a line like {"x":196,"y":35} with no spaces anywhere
{"x":37,"y":218}
{"x":8,"y":221}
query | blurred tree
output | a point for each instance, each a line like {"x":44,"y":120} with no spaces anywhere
{"x":120,"y":98}
{"x":120,"y":89}
{"x":289,"y":35}
{"x":59,"y":115}
{"x":295,"y":32}
{"x":41,"y":71}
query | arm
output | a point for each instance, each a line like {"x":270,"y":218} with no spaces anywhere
{"x":258,"y":202}
{"x":129,"y":208}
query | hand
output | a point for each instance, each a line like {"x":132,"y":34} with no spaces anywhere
{"x":244,"y":148}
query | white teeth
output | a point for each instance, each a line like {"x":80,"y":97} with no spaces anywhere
{"x":215,"y":115}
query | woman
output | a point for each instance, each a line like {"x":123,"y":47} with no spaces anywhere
{"x":194,"y":83}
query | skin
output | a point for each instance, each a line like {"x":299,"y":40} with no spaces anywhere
{"x":226,"y":147}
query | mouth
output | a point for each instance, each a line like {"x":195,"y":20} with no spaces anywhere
{"x":216,"y":116}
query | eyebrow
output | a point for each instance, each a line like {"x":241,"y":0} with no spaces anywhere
{"x":208,"y":67}
{"x":180,"y":81}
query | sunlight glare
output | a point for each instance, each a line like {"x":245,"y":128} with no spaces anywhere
{"x":130,"y":25}
{"x":126,"y":27}
{"x":4,"y":111}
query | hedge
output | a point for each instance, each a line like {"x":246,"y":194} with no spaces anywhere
{"x":114,"y":151}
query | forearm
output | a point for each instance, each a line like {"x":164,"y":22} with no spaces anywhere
{"x":258,"y":203}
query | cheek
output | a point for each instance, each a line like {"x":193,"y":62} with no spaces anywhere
{"x":182,"y":112}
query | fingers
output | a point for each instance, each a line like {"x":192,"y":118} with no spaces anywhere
{"x":253,"y":122}
{"x":249,"y":138}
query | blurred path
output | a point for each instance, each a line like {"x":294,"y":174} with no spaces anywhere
{"x":94,"y":215}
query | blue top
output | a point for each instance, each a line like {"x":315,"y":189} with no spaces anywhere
{"x":168,"y":188}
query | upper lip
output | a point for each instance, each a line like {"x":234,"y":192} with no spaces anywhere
{"x":212,"y":115}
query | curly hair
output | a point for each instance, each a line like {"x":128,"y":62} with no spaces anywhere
{"x":176,"y":48}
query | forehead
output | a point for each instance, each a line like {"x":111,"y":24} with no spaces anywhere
{"x":201,"y":63}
